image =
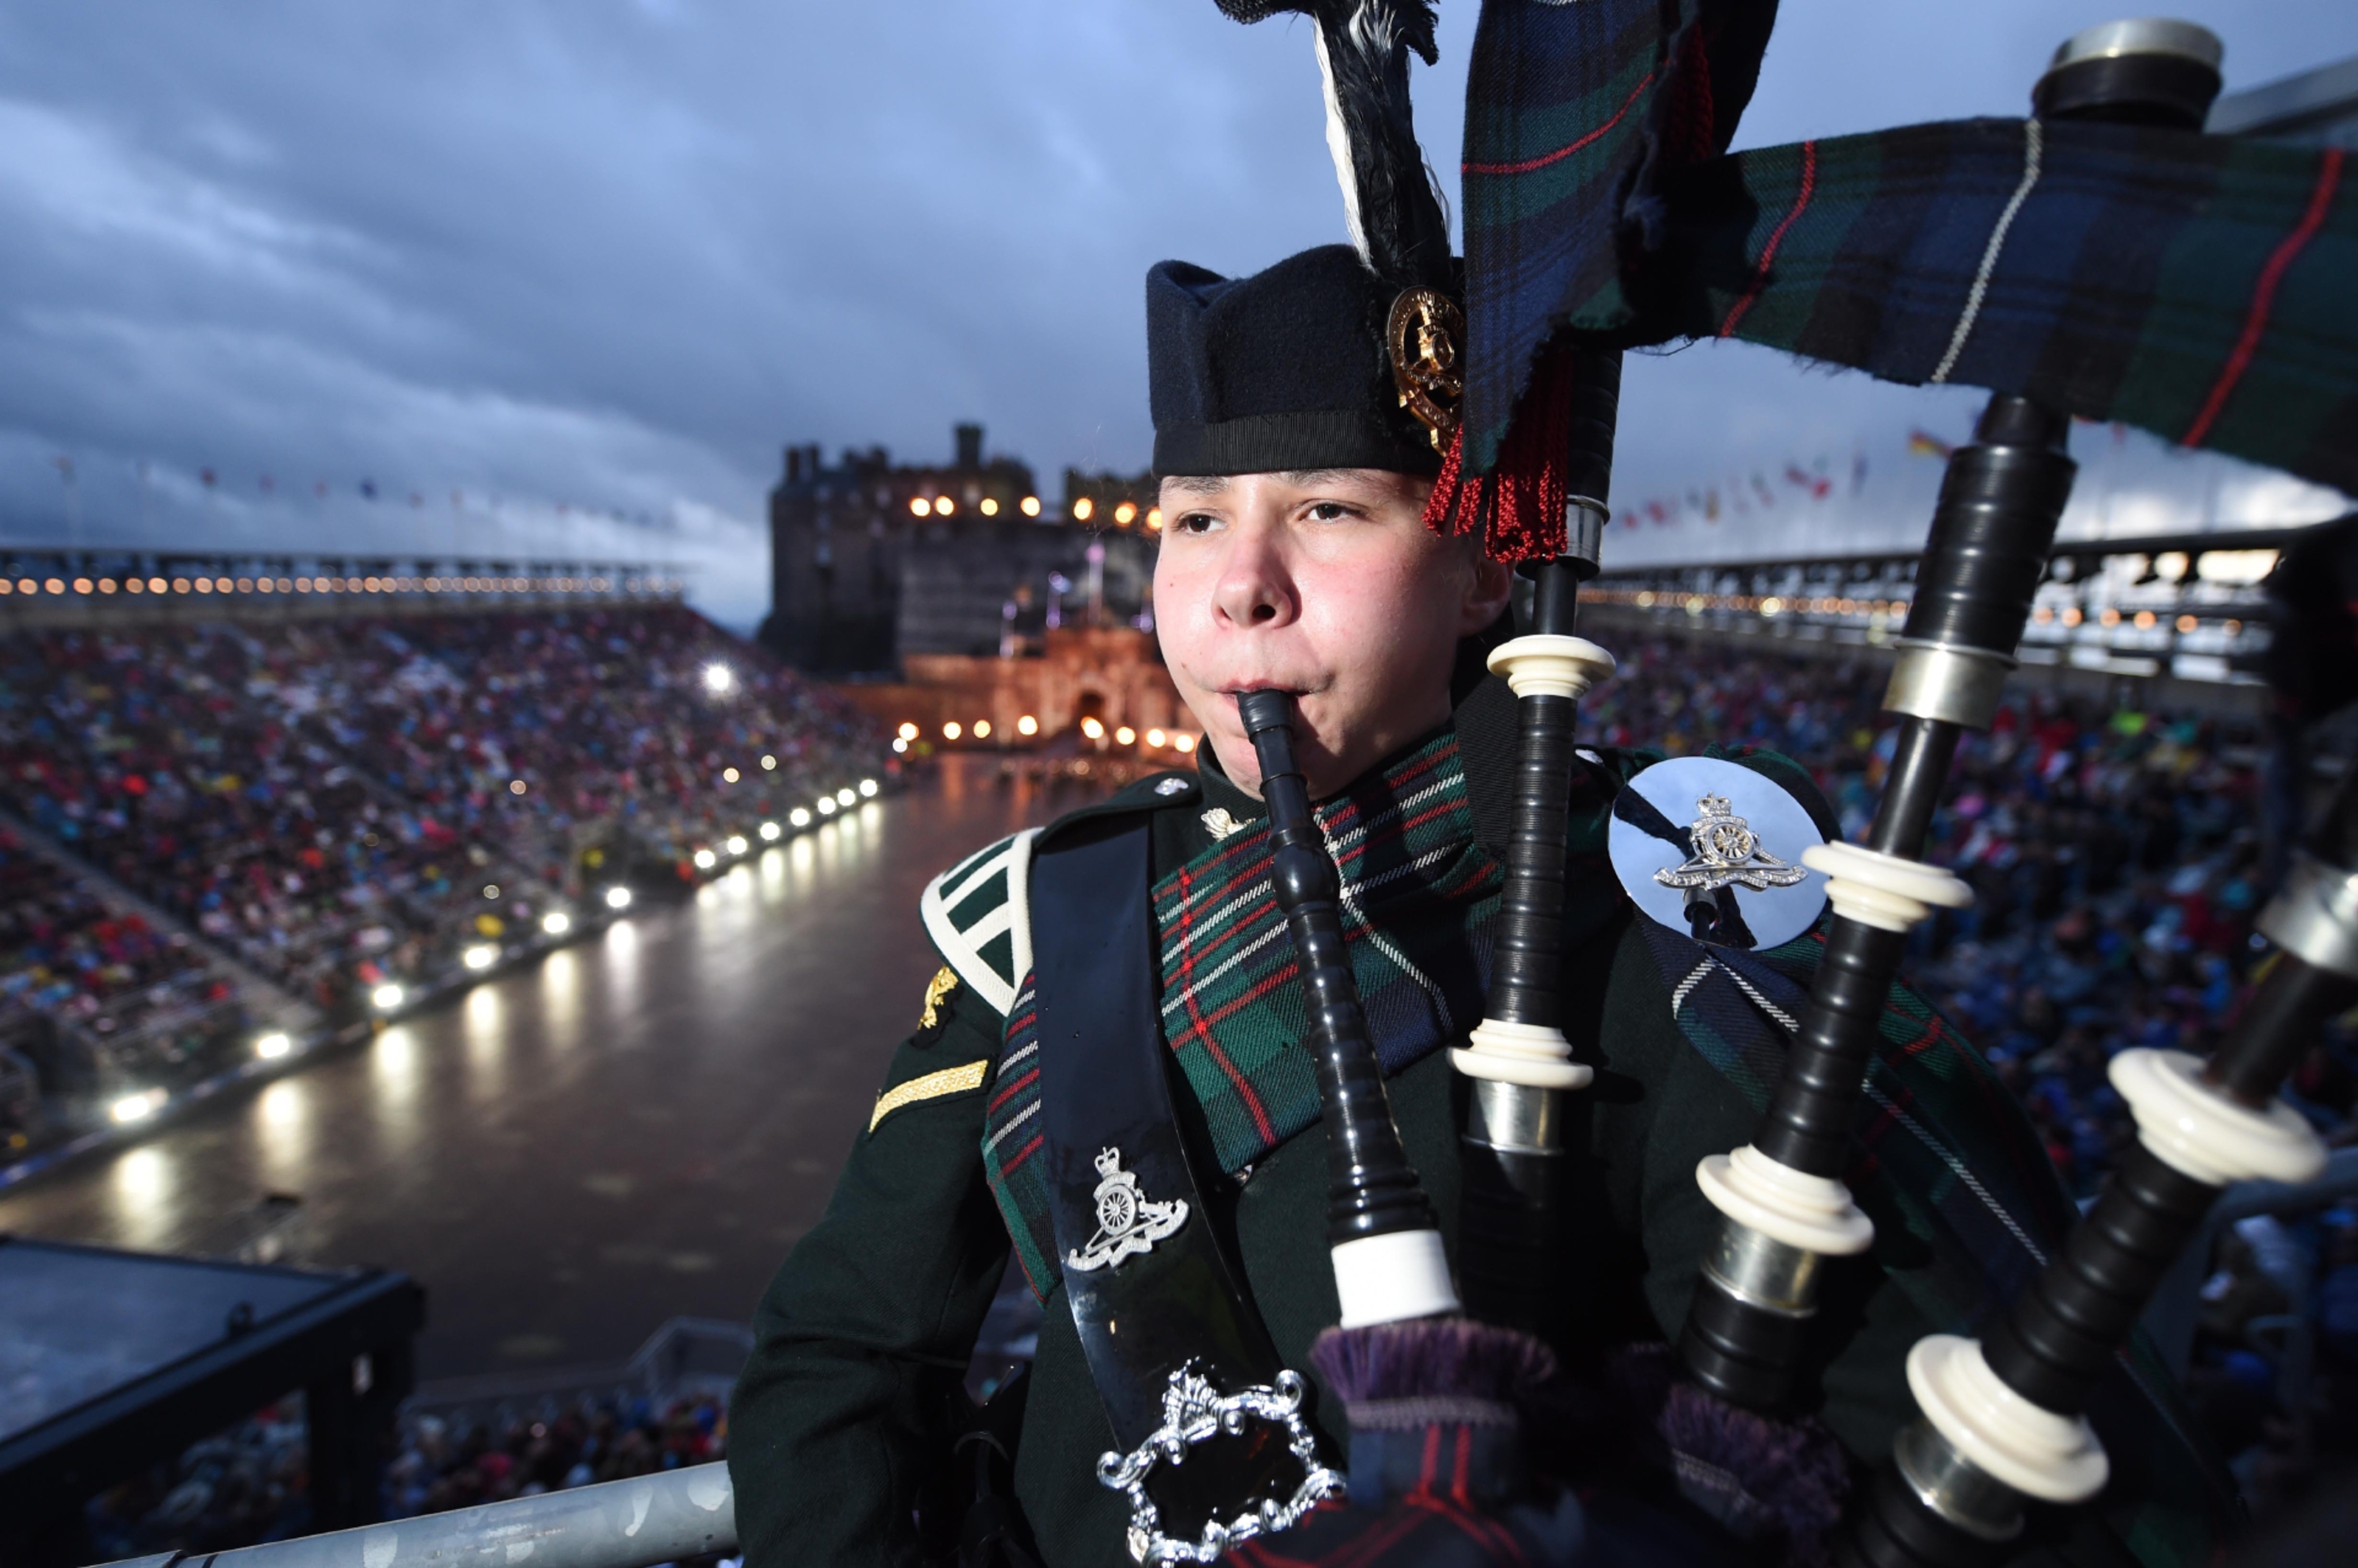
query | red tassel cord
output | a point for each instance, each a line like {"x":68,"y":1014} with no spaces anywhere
{"x":1516,"y":509}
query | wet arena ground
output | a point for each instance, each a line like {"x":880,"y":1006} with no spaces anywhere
{"x":636,"y":1127}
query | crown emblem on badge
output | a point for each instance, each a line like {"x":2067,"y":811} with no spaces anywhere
{"x":1727,"y":853}
{"x":1129,"y":1222}
{"x":1425,"y":334}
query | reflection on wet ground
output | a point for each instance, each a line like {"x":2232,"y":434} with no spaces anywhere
{"x":638,"y":1126}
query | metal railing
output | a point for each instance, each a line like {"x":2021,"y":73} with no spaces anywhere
{"x":635,"y":1523}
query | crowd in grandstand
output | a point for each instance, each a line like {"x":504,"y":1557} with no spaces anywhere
{"x":344,"y":803}
{"x":91,"y":993}
{"x":250,"y":1483}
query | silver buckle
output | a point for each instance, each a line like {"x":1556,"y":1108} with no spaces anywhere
{"x":1194,"y":1412}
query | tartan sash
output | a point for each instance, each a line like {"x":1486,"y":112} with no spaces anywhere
{"x":2189,"y":284}
{"x":1418,"y":895}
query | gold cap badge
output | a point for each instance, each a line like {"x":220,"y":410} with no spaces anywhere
{"x":1425,"y":332}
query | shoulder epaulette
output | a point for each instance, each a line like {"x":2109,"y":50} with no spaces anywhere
{"x":978,"y":914}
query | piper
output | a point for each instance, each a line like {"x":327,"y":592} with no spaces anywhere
{"x":1117,"y":1077}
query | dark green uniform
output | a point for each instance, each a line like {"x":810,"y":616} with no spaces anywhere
{"x":879,"y":1306}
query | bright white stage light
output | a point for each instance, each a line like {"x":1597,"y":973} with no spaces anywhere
{"x":135,"y":1107}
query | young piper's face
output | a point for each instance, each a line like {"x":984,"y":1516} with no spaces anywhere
{"x":1325,"y":584}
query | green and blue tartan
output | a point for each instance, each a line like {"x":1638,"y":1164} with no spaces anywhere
{"x":1418,"y":892}
{"x":2192,"y":286}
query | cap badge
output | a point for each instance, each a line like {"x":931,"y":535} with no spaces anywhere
{"x":1424,"y":335}
{"x":1727,"y":854}
{"x":1129,"y":1222}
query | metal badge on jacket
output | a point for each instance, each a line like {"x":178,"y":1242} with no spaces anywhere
{"x":1129,"y":1222}
{"x":1712,"y":848}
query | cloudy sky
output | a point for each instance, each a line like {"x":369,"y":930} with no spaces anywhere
{"x":602,"y":257}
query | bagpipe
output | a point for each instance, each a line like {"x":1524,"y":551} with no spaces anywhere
{"x":2123,"y":266}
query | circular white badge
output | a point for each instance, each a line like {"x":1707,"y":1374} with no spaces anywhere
{"x":1704,"y":830}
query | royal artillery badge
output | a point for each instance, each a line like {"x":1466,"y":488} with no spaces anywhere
{"x":1712,"y":849}
{"x":1129,"y":1222}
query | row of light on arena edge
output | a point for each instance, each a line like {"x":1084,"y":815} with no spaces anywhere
{"x":1027,"y":726}
{"x":946,"y":506}
{"x":276,"y":1044}
{"x":157,"y":585}
{"x":1889,"y":609}
{"x":1124,"y":513}
{"x":737,"y":845}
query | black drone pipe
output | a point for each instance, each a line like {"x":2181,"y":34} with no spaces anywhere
{"x":1953,"y":1495}
{"x":1371,"y":1188}
{"x":1513,"y":1132}
{"x":1745,"y":1335}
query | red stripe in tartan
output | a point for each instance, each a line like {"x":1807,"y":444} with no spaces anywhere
{"x":1769,"y":252}
{"x":1009,"y":1091}
{"x":1497,"y":1541}
{"x":1260,"y":988}
{"x":1236,"y":845}
{"x":2264,"y":296}
{"x":1020,"y":1155}
{"x":1199,"y":1026}
{"x":1457,"y":1486}
{"x":1367,"y":1547}
{"x":1527,"y":166}
{"x":1432,"y":1461}
{"x":1928,"y":1036}
{"x":1444,"y":809}
{"x":1244,"y":1091}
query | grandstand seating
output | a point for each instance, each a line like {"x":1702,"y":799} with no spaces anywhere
{"x":342,"y":802}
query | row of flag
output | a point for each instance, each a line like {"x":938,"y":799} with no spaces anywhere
{"x":1743,"y":495}
{"x":369,"y":490}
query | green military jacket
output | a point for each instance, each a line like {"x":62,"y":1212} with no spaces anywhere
{"x":833,"y":1427}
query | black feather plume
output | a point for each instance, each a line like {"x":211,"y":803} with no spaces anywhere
{"x":1396,"y":216}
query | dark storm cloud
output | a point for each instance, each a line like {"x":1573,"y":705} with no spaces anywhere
{"x":611,"y":254}
{"x":614,"y":255}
